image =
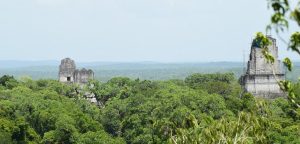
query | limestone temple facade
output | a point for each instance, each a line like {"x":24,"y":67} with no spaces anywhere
{"x":69,"y":74}
{"x":261,"y":78}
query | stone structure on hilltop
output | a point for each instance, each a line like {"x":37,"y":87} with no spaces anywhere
{"x":261,"y":77}
{"x":69,"y":74}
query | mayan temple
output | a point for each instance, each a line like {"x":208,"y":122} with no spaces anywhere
{"x":69,"y":74}
{"x":261,"y":77}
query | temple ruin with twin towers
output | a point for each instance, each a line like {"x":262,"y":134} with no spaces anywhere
{"x":69,"y":74}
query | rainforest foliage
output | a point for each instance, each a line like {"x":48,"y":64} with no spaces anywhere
{"x":203,"y":108}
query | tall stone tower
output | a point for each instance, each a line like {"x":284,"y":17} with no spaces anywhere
{"x":66,"y":70}
{"x":69,"y":74}
{"x":260,"y":77}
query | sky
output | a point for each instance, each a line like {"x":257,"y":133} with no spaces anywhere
{"x":132,"y":30}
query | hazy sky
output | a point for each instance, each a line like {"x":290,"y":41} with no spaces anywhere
{"x":131,"y":30}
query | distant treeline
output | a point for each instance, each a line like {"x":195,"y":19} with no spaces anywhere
{"x":150,"y":71}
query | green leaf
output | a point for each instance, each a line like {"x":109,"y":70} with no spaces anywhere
{"x":262,"y":40}
{"x":285,"y":85}
{"x":268,"y":56}
{"x":288,"y":63}
{"x":295,"y":42}
{"x":295,"y":15}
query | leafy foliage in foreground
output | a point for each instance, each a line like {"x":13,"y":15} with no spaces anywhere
{"x":142,"y":111}
{"x":42,"y":112}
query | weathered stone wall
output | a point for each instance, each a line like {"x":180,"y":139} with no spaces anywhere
{"x":263,"y":85}
{"x":83,"y":75}
{"x":261,"y":77}
{"x":257,"y":63}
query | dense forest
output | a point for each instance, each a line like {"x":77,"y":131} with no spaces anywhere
{"x":202,"y":108}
